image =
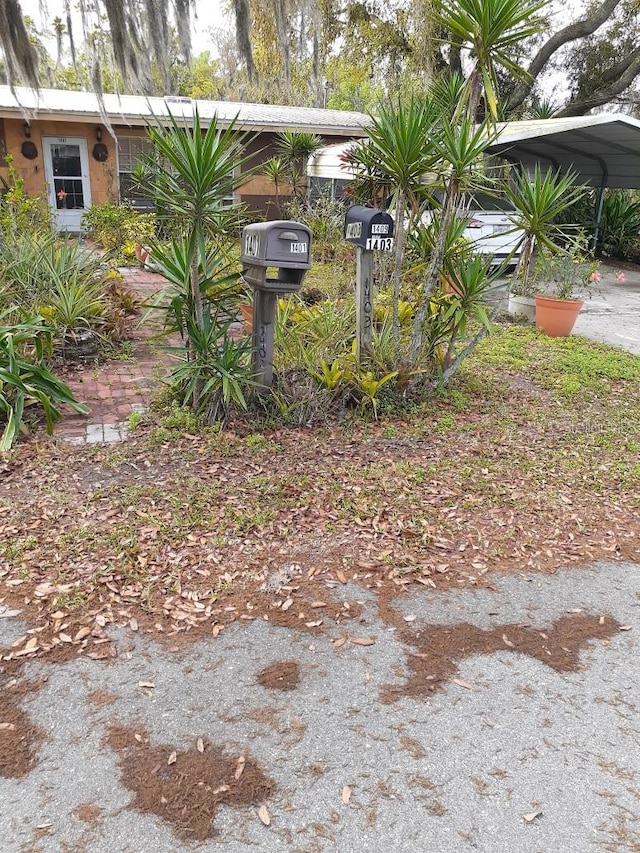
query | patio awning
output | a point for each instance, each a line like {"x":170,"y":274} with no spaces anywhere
{"x":604,"y":149}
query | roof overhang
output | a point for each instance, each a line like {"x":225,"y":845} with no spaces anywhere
{"x":603,"y":150}
{"x":138,"y":111}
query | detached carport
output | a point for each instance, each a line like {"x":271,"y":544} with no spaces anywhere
{"x":603,"y":150}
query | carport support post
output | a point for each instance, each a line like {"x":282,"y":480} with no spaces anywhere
{"x":364,"y":300}
{"x":264,"y":315}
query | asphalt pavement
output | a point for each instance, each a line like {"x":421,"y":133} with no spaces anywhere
{"x":508,"y":756}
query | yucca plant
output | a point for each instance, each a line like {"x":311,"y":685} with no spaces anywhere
{"x":489,"y":29}
{"x":192,"y":176}
{"x":620,"y":224}
{"x":539,"y":200}
{"x":26,"y":381}
{"x":217,"y":371}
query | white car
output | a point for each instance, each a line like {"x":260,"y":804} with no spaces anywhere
{"x":491,"y":229}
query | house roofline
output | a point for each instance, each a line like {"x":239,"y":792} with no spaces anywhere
{"x":138,"y":111}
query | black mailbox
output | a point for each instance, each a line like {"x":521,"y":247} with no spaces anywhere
{"x":369,"y":228}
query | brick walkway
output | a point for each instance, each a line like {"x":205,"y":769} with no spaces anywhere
{"x":116,"y":389}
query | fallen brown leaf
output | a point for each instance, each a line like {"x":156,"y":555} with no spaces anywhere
{"x":531,"y":816}
{"x":263,"y":814}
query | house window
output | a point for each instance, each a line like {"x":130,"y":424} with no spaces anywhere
{"x":335,"y":189}
{"x":131,"y":151}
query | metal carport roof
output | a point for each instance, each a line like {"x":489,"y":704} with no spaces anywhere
{"x":604,"y":150}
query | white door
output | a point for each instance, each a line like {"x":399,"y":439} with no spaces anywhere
{"x":66,"y":168}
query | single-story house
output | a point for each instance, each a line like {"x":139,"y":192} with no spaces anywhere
{"x":63,"y":150}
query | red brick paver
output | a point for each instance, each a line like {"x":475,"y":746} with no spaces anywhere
{"x":116,"y":389}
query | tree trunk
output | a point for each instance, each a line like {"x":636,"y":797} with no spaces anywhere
{"x":243,"y":37}
{"x":397,"y":268}
{"x":578,"y":29}
{"x":433,"y":274}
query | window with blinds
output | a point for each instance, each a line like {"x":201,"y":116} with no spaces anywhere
{"x":131,"y":151}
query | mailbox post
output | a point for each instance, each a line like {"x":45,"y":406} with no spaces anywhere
{"x":369,"y":230}
{"x":285,"y":246}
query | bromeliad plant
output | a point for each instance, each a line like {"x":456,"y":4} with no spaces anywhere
{"x":26,"y":381}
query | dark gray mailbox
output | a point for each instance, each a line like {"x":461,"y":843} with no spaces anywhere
{"x":369,"y":228}
{"x":285,"y":246}
{"x":281,"y":244}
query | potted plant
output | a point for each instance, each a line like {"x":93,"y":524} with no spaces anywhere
{"x":522,"y":299}
{"x":538,"y":199}
{"x":560,"y":279}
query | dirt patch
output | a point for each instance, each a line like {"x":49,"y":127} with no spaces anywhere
{"x":88,"y":813}
{"x":440,"y":648}
{"x":282,"y":675}
{"x":99,"y":697}
{"x":185,"y":787}
{"x":19,"y":737}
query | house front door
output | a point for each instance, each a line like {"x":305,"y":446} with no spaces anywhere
{"x":66,"y":166}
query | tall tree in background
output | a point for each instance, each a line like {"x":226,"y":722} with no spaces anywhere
{"x":243,"y":36}
{"x":137,"y":29}
{"x":345,"y":53}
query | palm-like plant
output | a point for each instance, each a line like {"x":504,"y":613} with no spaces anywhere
{"x":539,"y":199}
{"x":294,"y":148}
{"x":275,"y":170}
{"x":192,"y":175}
{"x":401,"y":143}
{"x":490,"y":29}
{"x":459,"y":150}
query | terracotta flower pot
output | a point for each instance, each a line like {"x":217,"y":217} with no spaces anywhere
{"x":142,"y":254}
{"x":557,"y":317}
{"x":246,"y":312}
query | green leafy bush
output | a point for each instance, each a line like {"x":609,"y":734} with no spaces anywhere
{"x":19,"y":212}
{"x":53,"y":277}
{"x":619,"y":234}
{"x":26,"y":381}
{"x":120,"y":228}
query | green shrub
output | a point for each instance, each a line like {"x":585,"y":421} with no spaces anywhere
{"x":54,"y":277}
{"x":26,"y":381}
{"x":19,"y":212}
{"x":120,"y":228}
{"x":619,"y":234}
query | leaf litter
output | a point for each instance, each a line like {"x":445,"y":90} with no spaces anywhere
{"x":186,"y":787}
{"x":435,"y":651}
{"x":19,"y":736}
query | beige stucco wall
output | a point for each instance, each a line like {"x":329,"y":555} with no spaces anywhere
{"x":103,"y":176}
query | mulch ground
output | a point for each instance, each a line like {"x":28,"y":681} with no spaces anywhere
{"x":186,"y":787}
{"x":19,"y":737}
{"x":282,"y":675}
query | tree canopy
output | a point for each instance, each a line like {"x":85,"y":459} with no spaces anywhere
{"x":346,"y":54}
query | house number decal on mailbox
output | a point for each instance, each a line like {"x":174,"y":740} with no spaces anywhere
{"x":380,"y":244}
{"x":252,"y":245}
{"x":298,"y":248}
